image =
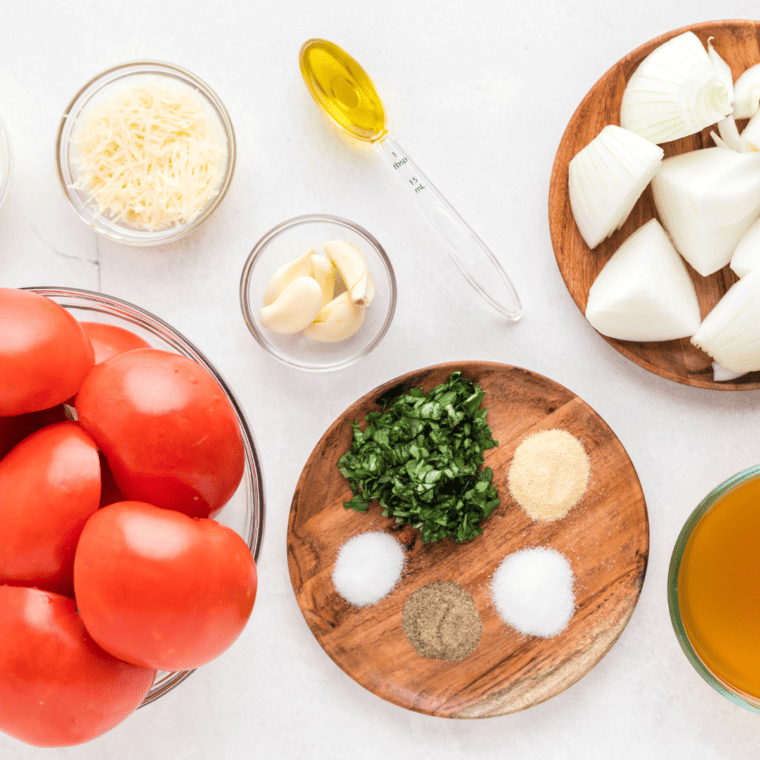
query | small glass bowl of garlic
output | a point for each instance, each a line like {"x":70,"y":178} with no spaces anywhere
{"x":318,"y":292}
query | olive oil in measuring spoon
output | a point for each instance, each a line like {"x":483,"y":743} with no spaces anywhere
{"x":344,"y":92}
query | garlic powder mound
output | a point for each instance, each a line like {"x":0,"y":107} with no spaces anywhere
{"x":549,"y":474}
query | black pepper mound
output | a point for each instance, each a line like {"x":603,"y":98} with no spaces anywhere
{"x":440,"y":621}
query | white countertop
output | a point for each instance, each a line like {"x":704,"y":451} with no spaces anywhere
{"x":479,"y":93}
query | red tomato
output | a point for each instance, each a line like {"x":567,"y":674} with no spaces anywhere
{"x":160,"y":589}
{"x":167,"y":429}
{"x":13,"y":430}
{"x":44,"y":353}
{"x":110,"y":340}
{"x":49,"y":486}
{"x":57,"y":687}
{"x":109,"y":491}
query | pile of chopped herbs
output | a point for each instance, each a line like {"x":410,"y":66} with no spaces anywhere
{"x":421,"y":459}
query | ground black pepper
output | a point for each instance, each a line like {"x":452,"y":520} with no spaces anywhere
{"x":440,"y":621}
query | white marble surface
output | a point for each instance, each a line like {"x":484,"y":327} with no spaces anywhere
{"x":479,"y":93}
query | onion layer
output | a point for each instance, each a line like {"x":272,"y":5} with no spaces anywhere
{"x":747,"y":93}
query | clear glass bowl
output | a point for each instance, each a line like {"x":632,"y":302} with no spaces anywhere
{"x":106,"y":85}
{"x":244,"y":513}
{"x":710,"y":501}
{"x":6,"y":162}
{"x":287,"y":242}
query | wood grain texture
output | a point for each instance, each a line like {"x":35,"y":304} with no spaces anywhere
{"x":737,"y":42}
{"x":605,"y":537}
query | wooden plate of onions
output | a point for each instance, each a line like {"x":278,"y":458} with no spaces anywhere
{"x":738,"y":43}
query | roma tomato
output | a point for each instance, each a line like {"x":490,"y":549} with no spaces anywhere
{"x":57,"y":687}
{"x":13,"y":430}
{"x":110,"y":340}
{"x":109,"y":491}
{"x":44,"y":353}
{"x":49,"y":486}
{"x":160,"y":589}
{"x":167,"y":429}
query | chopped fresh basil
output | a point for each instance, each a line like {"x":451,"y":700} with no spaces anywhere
{"x":421,"y":457}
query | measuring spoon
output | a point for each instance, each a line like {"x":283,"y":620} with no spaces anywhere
{"x":344,"y":92}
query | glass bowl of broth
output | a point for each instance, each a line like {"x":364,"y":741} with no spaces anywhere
{"x":714,"y":589}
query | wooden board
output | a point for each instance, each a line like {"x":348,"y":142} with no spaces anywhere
{"x":605,"y":537}
{"x":738,"y":44}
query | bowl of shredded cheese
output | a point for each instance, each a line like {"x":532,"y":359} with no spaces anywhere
{"x":145,"y":153}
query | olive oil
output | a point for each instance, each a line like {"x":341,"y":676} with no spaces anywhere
{"x":719,"y":589}
{"x":342,"y":88}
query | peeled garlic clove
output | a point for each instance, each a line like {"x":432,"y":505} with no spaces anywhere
{"x":352,"y":267}
{"x":370,"y":294}
{"x":644,"y":292}
{"x":339,"y":320}
{"x":674,"y":92}
{"x":295,"y":308}
{"x":323,"y":272}
{"x":359,"y":291}
{"x":301,"y":267}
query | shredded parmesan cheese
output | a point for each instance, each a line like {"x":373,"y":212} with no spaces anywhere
{"x":151,"y":156}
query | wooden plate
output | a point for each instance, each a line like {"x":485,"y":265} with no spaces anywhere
{"x":605,"y":537}
{"x":737,"y":43}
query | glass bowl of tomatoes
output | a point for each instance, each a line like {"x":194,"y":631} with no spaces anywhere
{"x":244,"y":512}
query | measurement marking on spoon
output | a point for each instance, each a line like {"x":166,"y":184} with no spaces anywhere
{"x":414,"y":181}
{"x":401,"y":163}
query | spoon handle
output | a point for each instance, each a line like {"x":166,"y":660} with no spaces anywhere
{"x":473,"y":257}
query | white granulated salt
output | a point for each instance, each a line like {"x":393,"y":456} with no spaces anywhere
{"x":367,"y":568}
{"x":532,"y":590}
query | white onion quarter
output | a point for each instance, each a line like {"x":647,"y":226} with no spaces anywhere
{"x":644,"y":292}
{"x":606,"y":178}
{"x":674,"y":92}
